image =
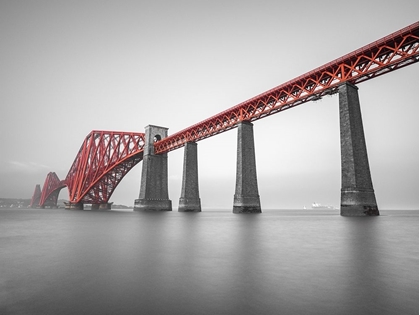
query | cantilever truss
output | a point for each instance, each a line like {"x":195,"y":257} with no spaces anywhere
{"x":390,"y":53}
{"x":36,"y":197}
{"x":104,"y":158}
{"x":51,"y":190}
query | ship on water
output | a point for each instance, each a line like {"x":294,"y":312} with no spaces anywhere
{"x":318,"y":206}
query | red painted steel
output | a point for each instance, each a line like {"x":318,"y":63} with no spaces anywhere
{"x":104,"y":158}
{"x":51,"y":190}
{"x":36,"y":197}
{"x":390,"y":53}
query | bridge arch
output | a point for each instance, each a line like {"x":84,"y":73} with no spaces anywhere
{"x":106,"y":156}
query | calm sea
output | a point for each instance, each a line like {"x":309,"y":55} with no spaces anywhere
{"x":213,"y":262}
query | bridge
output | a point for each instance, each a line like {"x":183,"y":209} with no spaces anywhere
{"x":105,"y":157}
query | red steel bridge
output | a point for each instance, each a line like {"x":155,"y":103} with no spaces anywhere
{"x":105,"y":157}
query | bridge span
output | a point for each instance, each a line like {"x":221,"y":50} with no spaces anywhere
{"x":105,"y":157}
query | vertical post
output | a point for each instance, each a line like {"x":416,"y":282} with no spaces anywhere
{"x":190,"y":197}
{"x":154,"y":176}
{"x":246,"y":199}
{"x":357,"y":194}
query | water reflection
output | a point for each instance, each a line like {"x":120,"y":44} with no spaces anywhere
{"x":71,"y":262}
{"x":372,"y":281}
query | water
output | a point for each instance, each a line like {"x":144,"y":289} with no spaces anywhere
{"x":214,"y":262}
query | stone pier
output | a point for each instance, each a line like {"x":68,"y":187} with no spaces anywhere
{"x":246,"y":199}
{"x":190,"y":197}
{"x":154,"y":176}
{"x":102,"y":206}
{"x":74,"y":206}
{"x":357,"y":194}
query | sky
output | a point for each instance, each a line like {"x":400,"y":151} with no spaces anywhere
{"x":69,"y":67}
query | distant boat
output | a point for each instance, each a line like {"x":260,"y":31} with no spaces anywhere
{"x":318,"y":206}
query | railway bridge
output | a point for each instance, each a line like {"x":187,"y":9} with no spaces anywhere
{"x":105,"y":157}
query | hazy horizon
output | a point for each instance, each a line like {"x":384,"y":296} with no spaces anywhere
{"x":72,"y":67}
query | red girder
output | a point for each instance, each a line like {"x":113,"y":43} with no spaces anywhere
{"x":50,"y":190}
{"x":390,"y":53}
{"x":36,"y":197}
{"x":104,"y":158}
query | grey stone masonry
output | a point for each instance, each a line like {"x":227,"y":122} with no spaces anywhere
{"x":190,"y":197}
{"x":357,"y":194}
{"x":246,"y":199}
{"x":102,"y":206}
{"x":76,"y":206}
{"x":154,"y":176}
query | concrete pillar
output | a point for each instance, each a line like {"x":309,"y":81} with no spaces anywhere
{"x":357,"y":194}
{"x":154,"y":176}
{"x":246,"y":199}
{"x":190,"y":197}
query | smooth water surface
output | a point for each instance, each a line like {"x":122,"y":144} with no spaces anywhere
{"x":213,"y":262}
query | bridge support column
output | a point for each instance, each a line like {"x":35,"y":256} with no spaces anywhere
{"x":246,"y":199}
{"x":105,"y":206}
{"x":154,"y":176}
{"x":357,"y":194}
{"x":75,"y":206}
{"x":190,"y":197}
{"x":102,"y":206}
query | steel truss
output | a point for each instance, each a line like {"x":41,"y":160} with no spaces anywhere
{"x":390,"y":53}
{"x":36,"y":197}
{"x":51,"y":190}
{"x":104,"y":158}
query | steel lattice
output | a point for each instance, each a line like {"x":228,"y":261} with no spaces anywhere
{"x":104,"y":158}
{"x":51,"y":190}
{"x":390,"y":53}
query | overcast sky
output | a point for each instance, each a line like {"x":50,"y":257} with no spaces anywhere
{"x":68,"y":67}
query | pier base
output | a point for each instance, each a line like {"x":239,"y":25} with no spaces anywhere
{"x":102,"y":206}
{"x":73,"y":206}
{"x":190,"y":197}
{"x":358,"y":203}
{"x":152,"y":205}
{"x":357,"y":194}
{"x":246,"y":199}
{"x":154,"y":176}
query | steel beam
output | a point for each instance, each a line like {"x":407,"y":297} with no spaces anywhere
{"x":387,"y":54}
